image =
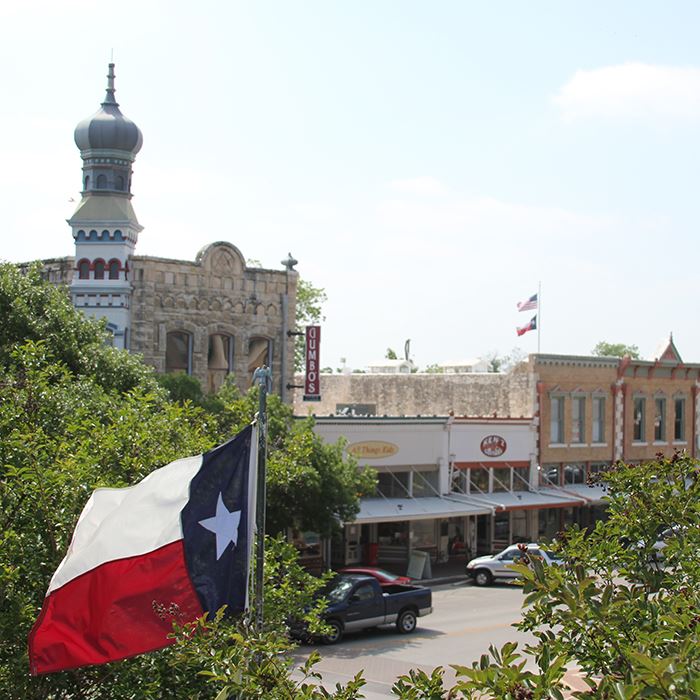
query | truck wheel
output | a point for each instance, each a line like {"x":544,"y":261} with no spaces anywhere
{"x":336,"y":632}
{"x":406,"y":622}
{"x":483,"y":577}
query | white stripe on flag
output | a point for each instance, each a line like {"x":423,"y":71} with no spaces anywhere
{"x":120,"y":523}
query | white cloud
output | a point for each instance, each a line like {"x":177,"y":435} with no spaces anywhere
{"x":422,"y":186}
{"x":632,"y":91}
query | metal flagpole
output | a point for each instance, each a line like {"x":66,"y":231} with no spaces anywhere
{"x":539,"y":314}
{"x":262,"y":377}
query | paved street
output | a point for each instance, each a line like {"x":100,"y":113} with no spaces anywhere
{"x":465,"y":621}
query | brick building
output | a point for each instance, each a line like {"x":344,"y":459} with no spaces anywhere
{"x":596,"y":410}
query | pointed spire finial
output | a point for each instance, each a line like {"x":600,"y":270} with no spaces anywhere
{"x":109,"y":97}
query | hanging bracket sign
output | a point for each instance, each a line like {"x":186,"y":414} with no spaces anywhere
{"x":312,"y":383}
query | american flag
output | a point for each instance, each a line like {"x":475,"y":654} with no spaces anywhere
{"x":528,"y":305}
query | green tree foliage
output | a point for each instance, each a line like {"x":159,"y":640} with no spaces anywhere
{"x":309,"y":311}
{"x":33,"y":310}
{"x":75,"y":415}
{"x":604,"y":349}
{"x":182,"y":387}
{"x":625,"y":614}
{"x":391,"y":354}
{"x":61,"y":436}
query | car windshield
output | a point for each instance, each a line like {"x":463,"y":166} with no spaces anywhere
{"x":337,"y":590}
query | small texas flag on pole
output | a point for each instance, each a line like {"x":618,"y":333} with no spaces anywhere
{"x":530,"y":326}
{"x":172,"y":547}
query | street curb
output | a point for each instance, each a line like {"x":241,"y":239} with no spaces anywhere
{"x":441,"y":581}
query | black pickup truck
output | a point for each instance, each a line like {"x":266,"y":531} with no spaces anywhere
{"x":357,"y":602}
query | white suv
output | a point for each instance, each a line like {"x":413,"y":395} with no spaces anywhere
{"x":485,"y":569}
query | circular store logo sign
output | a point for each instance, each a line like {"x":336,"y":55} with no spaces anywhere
{"x":493,"y":445}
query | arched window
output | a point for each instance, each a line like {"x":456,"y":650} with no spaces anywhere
{"x":84,"y":269}
{"x":259,"y":354}
{"x":119,"y":183}
{"x":219,"y":360}
{"x":87,"y":181}
{"x":101,"y":182}
{"x":178,"y":353}
{"x":114,"y":267}
{"x":99,"y":267}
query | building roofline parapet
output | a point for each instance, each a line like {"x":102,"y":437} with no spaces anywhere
{"x":576,"y":360}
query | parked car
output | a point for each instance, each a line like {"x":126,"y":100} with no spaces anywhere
{"x":483,"y":570}
{"x":358,"y":602}
{"x":382,"y":575}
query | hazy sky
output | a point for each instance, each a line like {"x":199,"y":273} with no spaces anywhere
{"x":428,"y":163}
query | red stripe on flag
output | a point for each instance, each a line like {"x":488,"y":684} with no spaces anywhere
{"x":121,"y":608}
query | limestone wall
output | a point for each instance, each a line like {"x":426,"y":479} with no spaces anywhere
{"x":217,"y":293}
{"x":469,"y":394}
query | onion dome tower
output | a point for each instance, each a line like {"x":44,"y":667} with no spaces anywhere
{"x":105,"y":228}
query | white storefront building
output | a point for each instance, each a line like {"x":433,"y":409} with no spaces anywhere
{"x":449,"y":487}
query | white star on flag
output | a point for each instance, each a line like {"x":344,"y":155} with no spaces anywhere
{"x":224,"y":525}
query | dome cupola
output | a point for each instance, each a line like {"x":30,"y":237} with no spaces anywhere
{"x":108,"y":129}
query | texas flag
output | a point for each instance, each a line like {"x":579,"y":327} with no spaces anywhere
{"x":172,"y":547}
{"x":530,"y":326}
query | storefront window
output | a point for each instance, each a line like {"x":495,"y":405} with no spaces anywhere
{"x":393,"y":484}
{"x":549,"y":475}
{"x":574,"y":473}
{"x":392,"y":534}
{"x":548,"y":522}
{"x":426,"y":484}
{"x":478,"y":480}
{"x":501,"y":479}
{"x":423,"y":533}
{"x":520,"y":479}
{"x":596,"y":468}
{"x":501,"y":529}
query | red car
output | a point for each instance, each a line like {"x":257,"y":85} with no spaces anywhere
{"x":384,"y":577}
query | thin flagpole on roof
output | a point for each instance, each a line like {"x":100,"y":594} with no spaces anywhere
{"x":539,"y":314}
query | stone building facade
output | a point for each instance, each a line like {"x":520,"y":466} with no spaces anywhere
{"x":209,"y":318}
{"x":213,"y":316}
{"x":423,"y":394}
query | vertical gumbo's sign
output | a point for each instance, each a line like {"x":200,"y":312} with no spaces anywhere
{"x":312,"y":383}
